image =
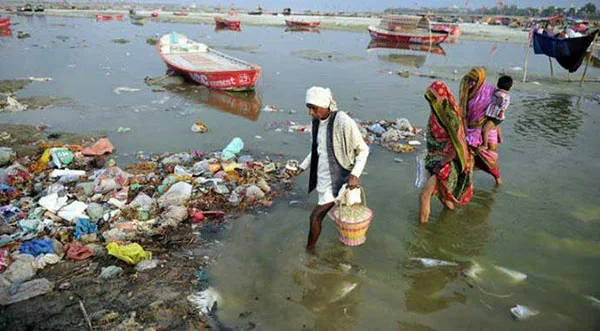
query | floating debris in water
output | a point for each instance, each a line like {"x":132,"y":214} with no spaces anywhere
{"x":516,"y":276}
{"x":523,"y":312}
{"x":595,"y":302}
{"x":273,"y":109}
{"x":40,"y":79}
{"x":23,"y":35}
{"x":474,"y":271}
{"x":123,"y":129}
{"x":206,"y":301}
{"x":121,"y":89}
{"x":151,"y":41}
{"x":433,"y":263}
{"x":120,"y":41}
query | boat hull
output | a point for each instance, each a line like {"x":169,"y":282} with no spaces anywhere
{"x":228,"y":24}
{"x":101,"y":18}
{"x":231,"y":80}
{"x":294,"y":24}
{"x":406,"y":37}
{"x":4,"y":22}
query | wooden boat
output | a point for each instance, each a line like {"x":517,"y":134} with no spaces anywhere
{"x":4,"y":22}
{"x":100,"y":18}
{"x":206,"y":66}
{"x":417,"y":36}
{"x":294,"y":23}
{"x":384,"y":44}
{"x":180,"y":13}
{"x":229,"y":23}
{"x":39,"y":8}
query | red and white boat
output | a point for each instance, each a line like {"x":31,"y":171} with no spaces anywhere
{"x":206,"y":66}
{"x":154,"y":14}
{"x":227,"y":23}
{"x":101,"y":18}
{"x":4,"y":22}
{"x":311,"y":24}
{"x":417,"y":36}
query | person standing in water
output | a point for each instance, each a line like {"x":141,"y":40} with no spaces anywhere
{"x":447,"y":159}
{"x":338,"y":155}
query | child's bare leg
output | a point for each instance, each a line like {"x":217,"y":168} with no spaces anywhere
{"x":489,"y":125}
{"x":425,"y":199}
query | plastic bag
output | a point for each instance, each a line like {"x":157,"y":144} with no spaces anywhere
{"x":111,"y":271}
{"x":76,"y":251}
{"x":71,"y":211}
{"x":27,"y":291}
{"x":84,"y":228}
{"x":349,"y":196}
{"x":61,"y":157}
{"x":101,"y":147}
{"x":132,"y":253}
{"x":421,"y":170}
{"x":37,"y":246}
{"x":233,"y":148}
{"x":176,"y":195}
{"x":52,"y":202}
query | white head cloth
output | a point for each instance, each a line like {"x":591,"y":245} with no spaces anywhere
{"x":321,"y":97}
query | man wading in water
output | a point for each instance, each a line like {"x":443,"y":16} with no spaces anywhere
{"x":338,"y":155}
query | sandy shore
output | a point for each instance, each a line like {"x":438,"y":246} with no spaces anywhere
{"x":470,"y":31}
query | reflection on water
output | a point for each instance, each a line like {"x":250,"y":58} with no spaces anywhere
{"x":331,"y":288}
{"x":557,"y":118}
{"x":302,"y":29}
{"x":425,"y":48}
{"x":244,"y":104}
{"x":454,"y":236}
{"x":227,"y":28}
{"x":411,"y":55}
{"x":7,"y":32}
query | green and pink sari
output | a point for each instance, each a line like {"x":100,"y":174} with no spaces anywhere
{"x":447,"y":151}
{"x":475,"y":97}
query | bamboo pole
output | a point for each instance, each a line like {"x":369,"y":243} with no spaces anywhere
{"x":551,"y":68}
{"x":527,"y":57}
{"x":587,"y":63}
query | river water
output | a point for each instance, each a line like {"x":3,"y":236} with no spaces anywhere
{"x":543,"y":222}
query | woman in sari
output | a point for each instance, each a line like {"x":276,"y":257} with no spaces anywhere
{"x":475,"y":97}
{"x":447,"y":159}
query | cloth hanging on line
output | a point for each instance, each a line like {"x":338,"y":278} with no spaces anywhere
{"x":569,"y":52}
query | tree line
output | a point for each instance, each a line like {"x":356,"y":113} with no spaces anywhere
{"x":588,"y":11}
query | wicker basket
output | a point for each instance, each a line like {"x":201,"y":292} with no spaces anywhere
{"x":352,"y":221}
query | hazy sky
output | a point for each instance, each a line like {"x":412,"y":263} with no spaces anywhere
{"x":358,"y":5}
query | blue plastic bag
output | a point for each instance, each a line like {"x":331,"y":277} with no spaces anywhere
{"x":235,"y":146}
{"x":36,"y":247}
{"x":84,"y":226}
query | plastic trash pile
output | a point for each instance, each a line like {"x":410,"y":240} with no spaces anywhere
{"x":398,"y":136}
{"x":70,"y":203}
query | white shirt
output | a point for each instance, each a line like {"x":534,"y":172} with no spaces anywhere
{"x":323,"y":175}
